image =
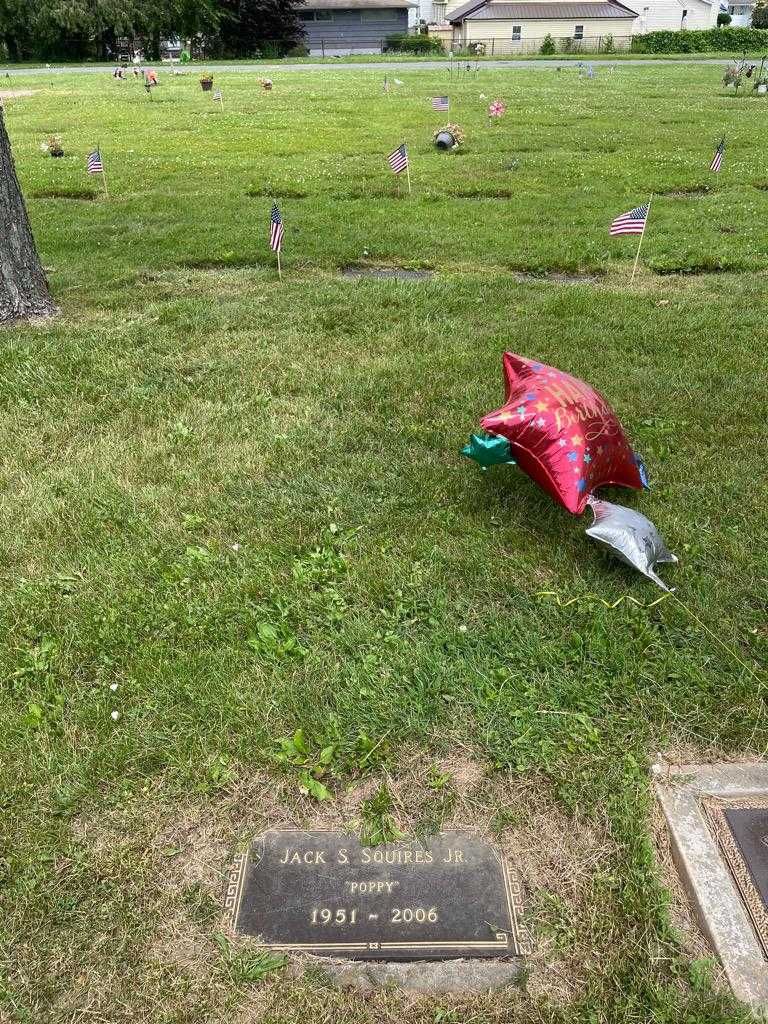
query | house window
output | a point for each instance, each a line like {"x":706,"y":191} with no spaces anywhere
{"x":438,"y":11}
{"x":517,"y":31}
{"x":388,"y":14}
{"x":578,"y":32}
{"x":316,"y":15}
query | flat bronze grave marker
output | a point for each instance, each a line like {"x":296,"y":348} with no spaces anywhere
{"x":324,"y":893}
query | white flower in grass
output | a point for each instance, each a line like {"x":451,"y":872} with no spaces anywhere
{"x":115,"y":715}
{"x":113,"y":687}
{"x":235,"y":547}
{"x":462,"y":629}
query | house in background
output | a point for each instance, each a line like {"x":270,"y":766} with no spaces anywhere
{"x":673,"y":15}
{"x":741,"y":14}
{"x":498,"y":26}
{"x":335,"y":28}
{"x":495,"y":26}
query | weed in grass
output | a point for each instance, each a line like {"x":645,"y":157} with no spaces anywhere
{"x":378,"y":822}
{"x":247,"y":966}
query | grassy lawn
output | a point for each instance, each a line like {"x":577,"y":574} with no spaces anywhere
{"x":234,"y":508}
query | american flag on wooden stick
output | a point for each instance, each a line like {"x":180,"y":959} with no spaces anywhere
{"x":94,"y":164}
{"x":275,"y":229}
{"x":631,"y":223}
{"x":440,"y":103}
{"x":398,"y":160}
{"x":717,"y":159}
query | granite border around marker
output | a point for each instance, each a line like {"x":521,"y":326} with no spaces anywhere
{"x":680,"y":790}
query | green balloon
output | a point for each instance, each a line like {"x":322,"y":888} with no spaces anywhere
{"x":488,"y":451}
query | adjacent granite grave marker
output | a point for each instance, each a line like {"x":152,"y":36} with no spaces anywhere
{"x":322,"y":892}
{"x":742,"y":833}
{"x":718,"y":829}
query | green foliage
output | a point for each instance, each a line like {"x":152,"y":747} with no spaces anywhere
{"x":760,"y":16}
{"x":548,"y":45}
{"x":77,"y":29}
{"x":248,"y":966}
{"x":401,"y":42}
{"x":378,"y":822}
{"x":723,"y":18}
{"x":702,"y":41}
{"x":332,"y":755}
{"x":606,"y":44}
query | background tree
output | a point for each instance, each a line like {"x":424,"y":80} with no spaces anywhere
{"x":16,"y":23}
{"x":723,"y":19}
{"x":760,"y":16}
{"x":23,"y":288}
{"x":251,"y":26}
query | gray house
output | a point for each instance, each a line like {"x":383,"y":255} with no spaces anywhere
{"x":335,"y":28}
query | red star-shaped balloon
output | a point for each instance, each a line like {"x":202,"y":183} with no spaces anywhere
{"x":562,"y":432}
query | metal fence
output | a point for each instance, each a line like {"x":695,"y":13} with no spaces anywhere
{"x":563,"y":44}
{"x":362,"y":42}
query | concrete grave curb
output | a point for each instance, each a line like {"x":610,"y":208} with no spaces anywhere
{"x":722,"y":915}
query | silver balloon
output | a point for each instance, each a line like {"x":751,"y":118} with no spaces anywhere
{"x":630,"y":537}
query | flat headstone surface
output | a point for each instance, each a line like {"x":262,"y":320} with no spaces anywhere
{"x":387,"y":273}
{"x":750,"y":830}
{"x":322,"y":892}
{"x":713,"y":866}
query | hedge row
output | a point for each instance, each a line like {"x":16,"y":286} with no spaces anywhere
{"x":733,"y":40}
{"x":404,"y":43}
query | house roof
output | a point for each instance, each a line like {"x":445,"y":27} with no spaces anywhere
{"x":481,"y":10}
{"x":354,"y":5}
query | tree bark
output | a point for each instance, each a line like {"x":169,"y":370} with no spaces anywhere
{"x":12,"y":47}
{"x":24,"y":292}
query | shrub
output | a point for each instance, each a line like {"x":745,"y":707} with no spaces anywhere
{"x":403,"y":43}
{"x":298,"y":51}
{"x":271,"y":50}
{"x":548,"y":45}
{"x":760,"y":16}
{"x":607,"y":44}
{"x":701,"y":41}
{"x":723,"y":19}
{"x":477,"y":49}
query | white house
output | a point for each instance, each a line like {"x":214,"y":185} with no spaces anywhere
{"x":658,"y":15}
{"x":521,"y":27}
{"x":741,"y":14}
{"x":502,"y":26}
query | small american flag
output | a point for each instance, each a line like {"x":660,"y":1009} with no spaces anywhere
{"x":94,"y":165}
{"x":398,"y":160}
{"x":275,"y":229}
{"x":217,"y":95}
{"x":717,"y":159}
{"x":440,"y":103}
{"x":632,"y":223}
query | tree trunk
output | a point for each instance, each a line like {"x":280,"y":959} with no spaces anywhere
{"x":12,"y":47}
{"x":24,"y":290}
